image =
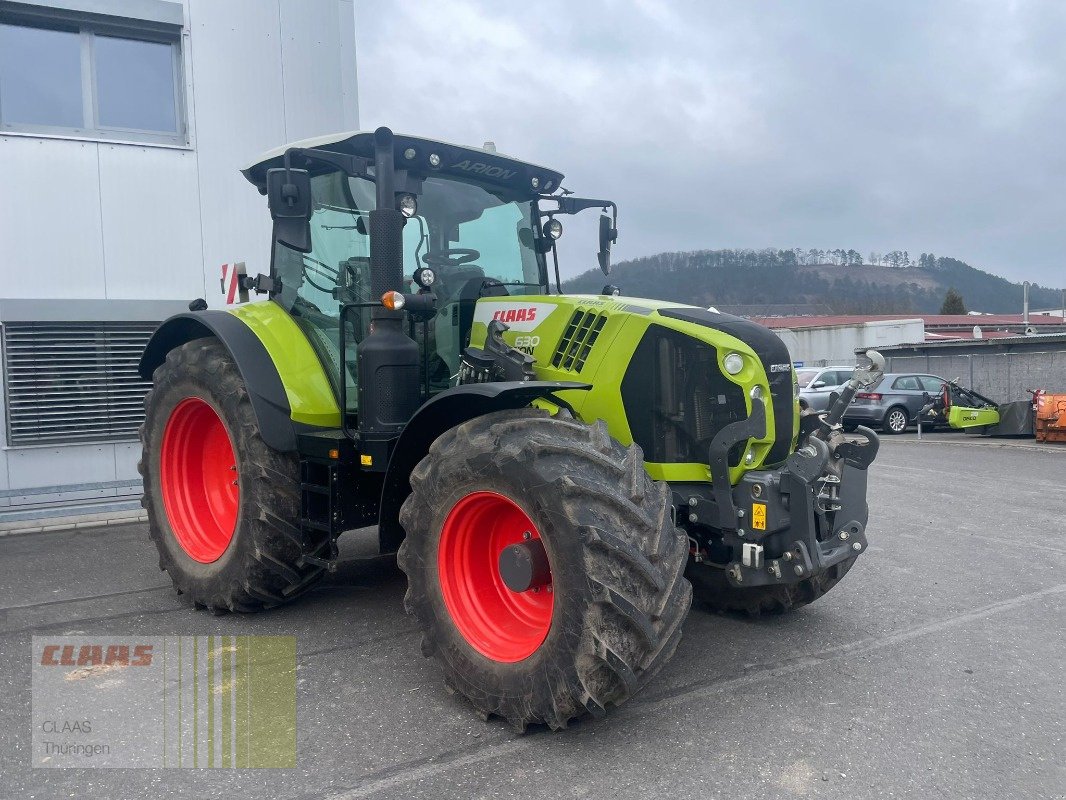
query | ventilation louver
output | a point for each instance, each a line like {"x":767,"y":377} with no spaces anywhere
{"x":578,"y":338}
{"x":73,"y":381}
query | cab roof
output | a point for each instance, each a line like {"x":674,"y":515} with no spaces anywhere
{"x":459,"y":161}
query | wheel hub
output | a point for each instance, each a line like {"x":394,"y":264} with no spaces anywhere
{"x":524,"y":566}
{"x":198,"y":477}
{"x":495,"y":577}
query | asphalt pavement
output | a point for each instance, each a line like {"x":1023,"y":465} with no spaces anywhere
{"x":935,"y":669}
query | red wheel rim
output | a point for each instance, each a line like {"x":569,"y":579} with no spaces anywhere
{"x":198,"y":473}
{"x":499,"y":623}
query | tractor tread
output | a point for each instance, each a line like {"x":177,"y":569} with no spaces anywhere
{"x":262,"y":567}
{"x":618,"y":563}
{"x":712,"y":590}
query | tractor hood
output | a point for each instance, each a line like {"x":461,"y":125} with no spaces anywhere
{"x":426,"y":157}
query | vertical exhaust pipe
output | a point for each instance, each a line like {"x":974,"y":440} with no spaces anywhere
{"x":1025,"y":304}
{"x":389,"y":389}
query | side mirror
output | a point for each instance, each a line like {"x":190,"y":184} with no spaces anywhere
{"x":608,"y":235}
{"x":289,"y":199}
{"x":818,"y":385}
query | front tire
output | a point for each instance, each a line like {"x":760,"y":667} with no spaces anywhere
{"x":603,"y":618}
{"x":223,"y":507}
{"x":713,"y":590}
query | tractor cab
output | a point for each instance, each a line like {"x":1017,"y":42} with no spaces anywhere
{"x":475,"y":224}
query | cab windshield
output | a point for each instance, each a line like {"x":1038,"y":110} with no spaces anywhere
{"x":478,"y":242}
{"x":465,"y":232}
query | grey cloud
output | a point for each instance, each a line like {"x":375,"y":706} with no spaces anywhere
{"x":912,"y":125}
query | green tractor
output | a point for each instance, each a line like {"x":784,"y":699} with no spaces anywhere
{"x":556,"y":473}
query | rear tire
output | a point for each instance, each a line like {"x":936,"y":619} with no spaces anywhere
{"x":896,"y":421}
{"x":241,"y":552}
{"x":713,"y":590}
{"x":618,"y":595}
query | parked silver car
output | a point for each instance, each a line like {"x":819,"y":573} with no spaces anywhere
{"x":894,"y":402}
{"x":816,"y":384}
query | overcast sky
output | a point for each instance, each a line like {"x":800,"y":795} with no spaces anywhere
{"x":923,"y":126}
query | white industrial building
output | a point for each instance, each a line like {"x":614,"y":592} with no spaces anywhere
{"x":123,"y":124}
{"x":830,"y":341}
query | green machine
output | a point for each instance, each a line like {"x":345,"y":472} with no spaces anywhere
{"x":558,"y":474}
{"x":963,"y":409}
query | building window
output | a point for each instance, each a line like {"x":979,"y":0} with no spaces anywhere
{"x":87,"y":77}
{"x":73,"y":382}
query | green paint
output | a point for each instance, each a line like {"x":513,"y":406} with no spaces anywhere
{"x":164,"y":701}
{"x":195,"y":702}
{"x":310,"y":394}
{"x":227,"y":701}
{"x":961,"y":417}
{"x":612,"y":354}
{"x":272,"y":702}
{"x":211,"y":652}
{"x":241,"y":712}
{"x":180,"y":702}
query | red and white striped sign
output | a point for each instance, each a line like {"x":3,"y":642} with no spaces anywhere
{"x":231,"y":277}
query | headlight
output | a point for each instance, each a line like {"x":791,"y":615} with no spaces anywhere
{"x":553,"y":228}
{"x":424,"y":277}
{"x":734,"y":363}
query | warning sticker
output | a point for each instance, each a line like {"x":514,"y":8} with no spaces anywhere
{"x":758,"y":516}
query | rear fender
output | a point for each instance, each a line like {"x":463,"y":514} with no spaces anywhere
{"x":442,"y":412}
{"x":265,"y":388}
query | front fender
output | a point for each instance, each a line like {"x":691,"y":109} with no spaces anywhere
{"x":440,"y":413}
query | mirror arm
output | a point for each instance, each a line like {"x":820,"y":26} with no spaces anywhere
{"x":574,"y":205}
{"x":555,"y":258}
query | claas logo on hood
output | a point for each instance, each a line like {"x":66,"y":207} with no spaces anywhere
{"x":516,"y":315}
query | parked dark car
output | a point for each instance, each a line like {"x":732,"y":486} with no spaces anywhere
{"x":894,"y":402}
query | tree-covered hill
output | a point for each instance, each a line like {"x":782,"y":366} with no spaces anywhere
{"x":843,"y":280}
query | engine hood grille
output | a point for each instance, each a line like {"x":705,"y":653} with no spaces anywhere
{"x":580,"y":335}
{"x":771,"y":351}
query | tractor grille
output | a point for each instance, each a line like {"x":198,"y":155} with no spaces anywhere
{"x":74,"y":381}
{"x":676,"y":399}
{"x":580,"y":335}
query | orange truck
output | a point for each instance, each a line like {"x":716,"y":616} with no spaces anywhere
{"x":1050,"y":417}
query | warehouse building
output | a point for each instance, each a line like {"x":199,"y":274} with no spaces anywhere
{"x":1003,"y":368}
{"x":825,"y":340}
{"x":123,"y":124}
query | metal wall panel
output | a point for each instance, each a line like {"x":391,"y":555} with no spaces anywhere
{"x":151,"y":220}
{"x":50,"y":466}
{"x":235,"y":50}
{"x":50,"y":219}
{"x":127,"y":454}
{"x":313,"y":55}
{"x":4,"y":480}
{"x":1003,"y":377}
{"x":348,"y":68}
